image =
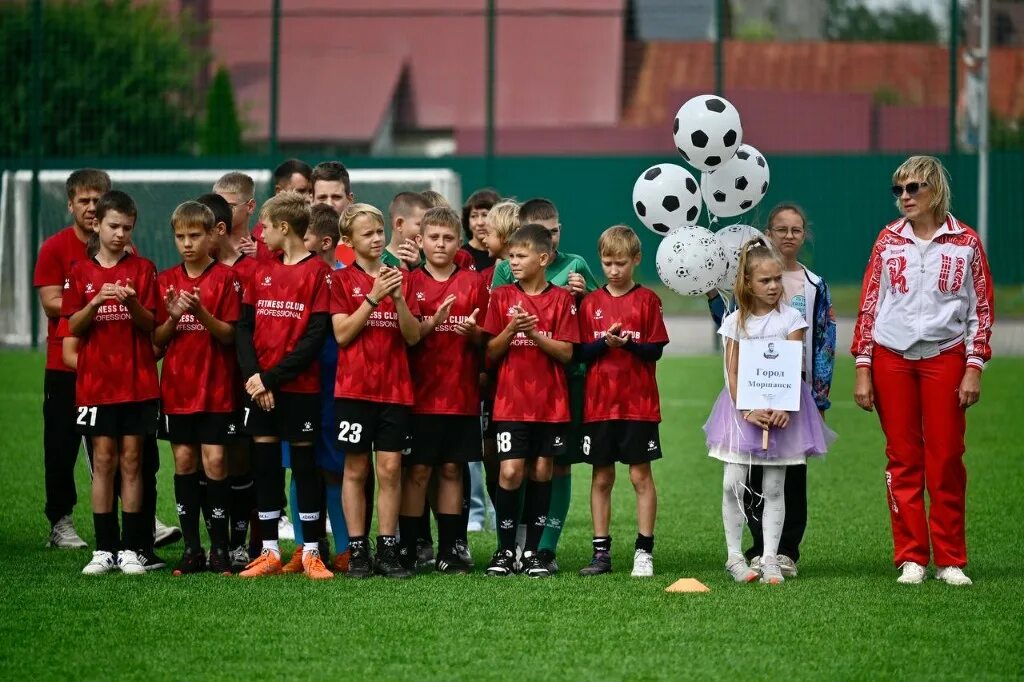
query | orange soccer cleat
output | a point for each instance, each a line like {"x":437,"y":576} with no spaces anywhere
{"x":267,"y":563}
{"x":340,"y":562}
{"x":294,"y":564}
{"x":314,"y":567}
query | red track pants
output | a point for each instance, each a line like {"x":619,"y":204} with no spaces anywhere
{"x":919,"y":408}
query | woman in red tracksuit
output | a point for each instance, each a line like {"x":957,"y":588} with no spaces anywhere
{"x":921,"y":343}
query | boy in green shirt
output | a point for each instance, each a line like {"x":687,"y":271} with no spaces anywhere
{"x":572,"y":272}
{"x":406,"y":211}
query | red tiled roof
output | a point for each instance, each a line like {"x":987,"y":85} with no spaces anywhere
{"x":558,"y":63}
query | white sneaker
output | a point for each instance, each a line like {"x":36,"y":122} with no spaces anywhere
{"x":474,"y":527}
{"x":953,"y":575}
{"x":771,"y":572}
{"x":755,"y":564}
{"x":737,"y":566}
{"x":643,"y":564}
{"x":164,"y":535}
{"x":63,"y":535}
{"x":102,"y":562}
{"x":128,"y":562}
{"x":912,"y":574}
{"x":787,"y":565}
{"x":285,"y":529}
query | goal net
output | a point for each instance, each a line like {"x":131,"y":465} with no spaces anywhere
{"x":156,"y":192}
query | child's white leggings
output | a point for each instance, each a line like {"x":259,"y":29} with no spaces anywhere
{"x":773,"y":485}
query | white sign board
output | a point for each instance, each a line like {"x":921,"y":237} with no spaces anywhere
{"x":769,"y":375}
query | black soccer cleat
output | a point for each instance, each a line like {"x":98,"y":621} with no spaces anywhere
{"x":451,"y":563}
{"x":239,"y":559}
{"x":424,"y":554}
{"x":220,"y":561}
{"x":533,"y":567}
{"x":389,"y":565}
{"x":601,"y":563}
{"x":547,"y":557}
{"x":462,"y":550}
{"x":502,"y":563}
{"x":192,"y":561}
{"x":150,"y":560}
{"x":360,"y":564}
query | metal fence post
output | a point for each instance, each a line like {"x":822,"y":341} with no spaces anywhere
{"x":37,"y":153}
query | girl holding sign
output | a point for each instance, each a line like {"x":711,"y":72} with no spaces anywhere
{"x":735,"y":437}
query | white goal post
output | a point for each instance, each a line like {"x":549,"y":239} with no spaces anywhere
{"x":156,"y":192}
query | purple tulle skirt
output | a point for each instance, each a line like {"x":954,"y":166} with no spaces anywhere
{"x":731,"y":438}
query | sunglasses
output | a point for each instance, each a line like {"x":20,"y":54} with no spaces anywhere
{"x":912,"y":188}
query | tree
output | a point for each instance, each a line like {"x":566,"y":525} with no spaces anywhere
{"x":117,"y":79}
{"x":222,"y":131}
{"x":850,"y":20}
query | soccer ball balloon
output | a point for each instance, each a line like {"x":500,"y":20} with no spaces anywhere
{"x":665,"y":197}
{"x":739,"y":185}
{"x":707,"y":131}
{"x":690,"y":261}
{"x":732,"y":238}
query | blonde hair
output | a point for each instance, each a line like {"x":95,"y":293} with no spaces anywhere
{"x":193,"y":213}
{"x":618,"y":240}
{"x":444,"y":216}
{"x":436,"y":200}
{"x":288,"y":207}
{"x":929,"y":170}
{"x":352,"y":212}
{"x":753,"y":252}
{"x":504,"y":218}
{"x":236,"y":183}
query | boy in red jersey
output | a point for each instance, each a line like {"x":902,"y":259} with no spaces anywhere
{"x":238,"y":449}
{"x":533,"y":327}
{"x":279,"y":337}
{"x":374,"y":320}
{"x":623,"y":335}
{"x":200,"y":303}
{"x":61,"y":440}
{"x":446,"y":365}
{"x":110,"y":302}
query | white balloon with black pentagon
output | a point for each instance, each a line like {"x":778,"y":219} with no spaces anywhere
{"x":666,"y":197}
{"x":732,"y":238}
{"x":738,"y":186}
{"x":690,"y":261}
{"x":707,"y":131}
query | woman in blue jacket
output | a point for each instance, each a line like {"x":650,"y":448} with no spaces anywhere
{"x":808,"y":293}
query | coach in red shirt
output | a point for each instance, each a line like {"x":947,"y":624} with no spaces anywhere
{"x":60,"y":438}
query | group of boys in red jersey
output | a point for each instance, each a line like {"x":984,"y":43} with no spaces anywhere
{"x":422,"y":340}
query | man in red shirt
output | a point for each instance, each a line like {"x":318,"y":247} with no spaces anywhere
{"x":445,"y":366}
{"x":280,"y":335}
{"x":60,"y":440}
{"x":374,"y":320}
{"x":200,"y":302}
{"x":623,"y":335}
{"x":532,"y":325}
{"x":332,"y":186}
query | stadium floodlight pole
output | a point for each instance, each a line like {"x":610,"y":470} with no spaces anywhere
{"x":954,"y":35}
{"x":983,"y":127}
{"x":37,"y":150}
{"x":489,"y":94}
{"x":275,"y":74}
{"x":719,"y":51}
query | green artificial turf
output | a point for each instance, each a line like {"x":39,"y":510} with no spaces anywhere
{"x":844,"y":617}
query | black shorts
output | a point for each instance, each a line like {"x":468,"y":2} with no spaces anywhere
{"x":295,"y":417}
{"x":527,"y":440}
{"x":122,"y":419}
{"x":630,"y":442}
{"x":444,"y":438}
{"x":204,"y":428}
{"x":487,"y":418}
{"x":363,"y":426}
{"x":574,"y":429}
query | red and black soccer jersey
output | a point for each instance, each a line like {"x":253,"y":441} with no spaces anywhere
{"x":262,"y":252}
{"x":200,"y":373}
{"x":57,"y":256}
{"x":464,"y":259}
{"x":115,"y":359}
{"x":284,"y":298}
{"x":446,"y":366}
{"x":620,"y":385}
{"x":245,"y":270}
{"x":531,"y":384}
{"x":488,"y":276}
{"x":375,"y":365}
